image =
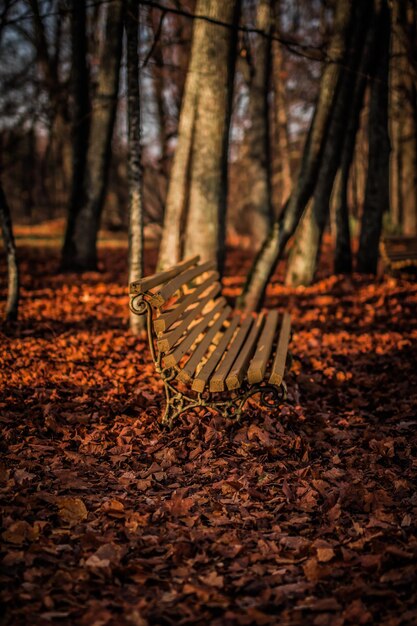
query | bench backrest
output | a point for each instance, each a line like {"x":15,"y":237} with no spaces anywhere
{"x":400,"y":247}
{"x":187,"y":304}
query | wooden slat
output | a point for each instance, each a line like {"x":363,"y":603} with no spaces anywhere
{"x":175,"y":357}
{"x":144,"y":284}
{"x":200,"y":381}
{"x":403,"y":243}
{"x":406,"y":264}
{"x":165,"y":320}
{"x":239,"y":367}
{"x":400,"y":238}
{"x":402,"y":256}
{"x":168,"y":290}
{"x":217,"y":382}
{"x":257,"y":366}
{"x":188,"y":370}
{"x":166,"y":341}
{"x":278,"y":367}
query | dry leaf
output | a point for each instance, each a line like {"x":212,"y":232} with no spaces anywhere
{"x":114,"y":508}
{"x":213,"y":579}
{"x":71,"y":510}
{"x":325,"y":554}
{"x":314,"y":571}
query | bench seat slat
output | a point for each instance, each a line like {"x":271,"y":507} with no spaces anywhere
{"x":217,"y":382}
{"x":239,"y":367}
{"x":168,"y":290}
{"x":166,"y":319}
{"x":257,"y":366}
{"x":190,"y":367}
{"x":168,"y":340}
{"x":144,"y":284}
{"x":200,"y":381}
{"x":188,"y":340}
{"x":278,"y":367}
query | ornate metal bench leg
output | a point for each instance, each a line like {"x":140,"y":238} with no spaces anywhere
{"x":232,"y":409}
{"x":176,"y":402}
{"x":174,"y":406}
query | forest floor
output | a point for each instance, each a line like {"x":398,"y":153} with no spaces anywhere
{"x":306,"y":515}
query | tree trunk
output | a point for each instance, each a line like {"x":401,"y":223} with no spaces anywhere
{"x":283,"y":176}
{"x":80,"y":248}
{"x":57,"y":164}
{"x":81,"y":117}
{"x":159,"y":85}
{"x":255,"y":154}
{"x":405,"y":116}
{"x":137,"y":323}
{"x":12,"y":303}
{"x":205,"y":230}
{"x":343,"y":251}
{"x":57,"y":158}
{"x":377,"y":183}
{"x":408,"y":180}
{"x":177,"y":195}
{"x":395,"y":103}
{"x":285,"y":226}
{"x":305,"y":252}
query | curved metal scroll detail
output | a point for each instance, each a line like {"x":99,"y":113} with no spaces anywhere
{"x":271,"y":397}
{"x":278,"y":394}
{"x":139,"y":305}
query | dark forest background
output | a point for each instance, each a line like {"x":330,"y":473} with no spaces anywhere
{"x":263,"y":124}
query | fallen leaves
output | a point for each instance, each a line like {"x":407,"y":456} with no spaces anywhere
{"x":20,"y":532}
{"x":301,"y":516}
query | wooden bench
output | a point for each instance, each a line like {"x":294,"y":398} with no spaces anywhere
{"x":206,"y":354}
{"x":399,"y":254}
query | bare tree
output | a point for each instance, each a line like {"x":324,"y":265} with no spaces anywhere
{"x":134,"y":165}
{"x":12,"y":267}
{"x":255,"y":155}
{"x":205,"y":229}
{"x":377,"y":183}
{"x":282,"y":152}
{"x":305,"y":251}
{"x":197,"y":190}
{"x":343,"y":250}
{"x":403,"y":110}
{"x":176,"y":201}
{"x":286,"y":224}
{"x":80,"y":246}
{"x":48,"y":52}
{"x":80,"y":83}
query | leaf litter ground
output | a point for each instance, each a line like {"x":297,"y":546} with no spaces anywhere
{"x":305,"y":515}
